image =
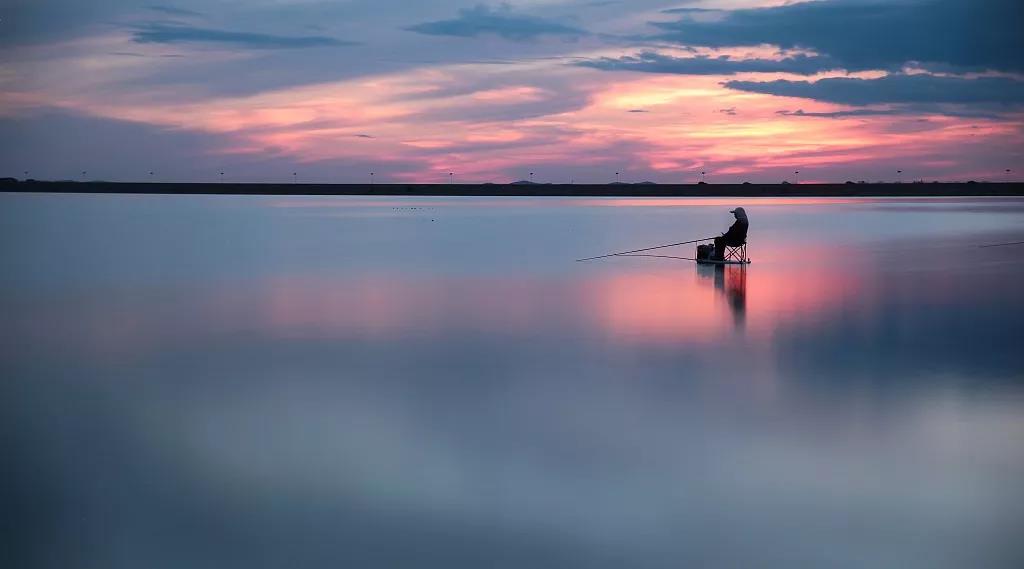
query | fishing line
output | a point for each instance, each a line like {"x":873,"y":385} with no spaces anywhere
{"x":624,"y":253}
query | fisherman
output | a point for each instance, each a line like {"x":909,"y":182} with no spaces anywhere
{"x":736,"y":236}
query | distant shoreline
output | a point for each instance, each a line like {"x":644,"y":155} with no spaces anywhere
{"x":536,"y":190}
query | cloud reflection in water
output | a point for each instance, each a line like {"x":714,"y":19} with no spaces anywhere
{"x":824,"y":403}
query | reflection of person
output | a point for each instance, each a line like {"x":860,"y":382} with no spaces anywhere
{"x":736,"y":236}
{"x":735,"y":290}
{"x":731,"y":283}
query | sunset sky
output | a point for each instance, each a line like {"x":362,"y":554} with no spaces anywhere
{"x":659,"y":90}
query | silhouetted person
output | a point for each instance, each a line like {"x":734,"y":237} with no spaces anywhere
{"x":736,"y":236}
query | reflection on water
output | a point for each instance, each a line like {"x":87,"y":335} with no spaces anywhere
{"x":256,"y":382}
{"x":731,"y":282}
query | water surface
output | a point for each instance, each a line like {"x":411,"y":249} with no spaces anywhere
{"x":433,"y":382}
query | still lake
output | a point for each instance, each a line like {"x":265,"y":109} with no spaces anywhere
{"x":250,"y":382}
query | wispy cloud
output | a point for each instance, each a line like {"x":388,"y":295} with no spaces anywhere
{"x":691,"y":11}
{"x":895,"y":88}
{"x":145,"y":55}
{"x":174,"y":11}
{"x":502,"y":22}
{"x":840,"y":114}
{"x":652,"y":62}
{"x":179,"y":33}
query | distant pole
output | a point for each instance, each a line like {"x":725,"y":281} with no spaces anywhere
{"x":295,"y":177}
{"x":26,"y":174}
{"x":83,"y":175}
{"x":1007,"y":174}
{"x":616,"y":177}
{"x":797,"y":174}
{"x":899,"y":176}
{"x":531,"y":176}
{"x":151,"y":176}
{"x":451,"y":178}
{"x":702,"y":175}
{"x":222,"y":177}
{"x":371,"y":178}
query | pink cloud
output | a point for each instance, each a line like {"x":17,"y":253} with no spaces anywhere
{"x":556,"y":117}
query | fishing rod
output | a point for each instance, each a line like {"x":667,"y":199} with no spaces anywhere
{"x":624,"y":253}
{"x":1001,"y":244}
{"x":661,"y":257}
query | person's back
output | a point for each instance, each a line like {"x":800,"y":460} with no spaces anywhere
{"x":735,"y":236}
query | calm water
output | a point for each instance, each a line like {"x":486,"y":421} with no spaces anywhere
{"x":236,"y":382}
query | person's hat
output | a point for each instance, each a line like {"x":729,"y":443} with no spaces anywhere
{"x":737,"y":210}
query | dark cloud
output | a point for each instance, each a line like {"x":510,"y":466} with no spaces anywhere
{"x":731,"y":111}
{"x":483,"y":20}
{"x":651,"y":62}
{"x":174,"y":11}
{"x":179,"y":33}
{"x":859,"y":35}
{"x":638,"y":111}
{"x":364,"y":136}
{"x":895,"y":88}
